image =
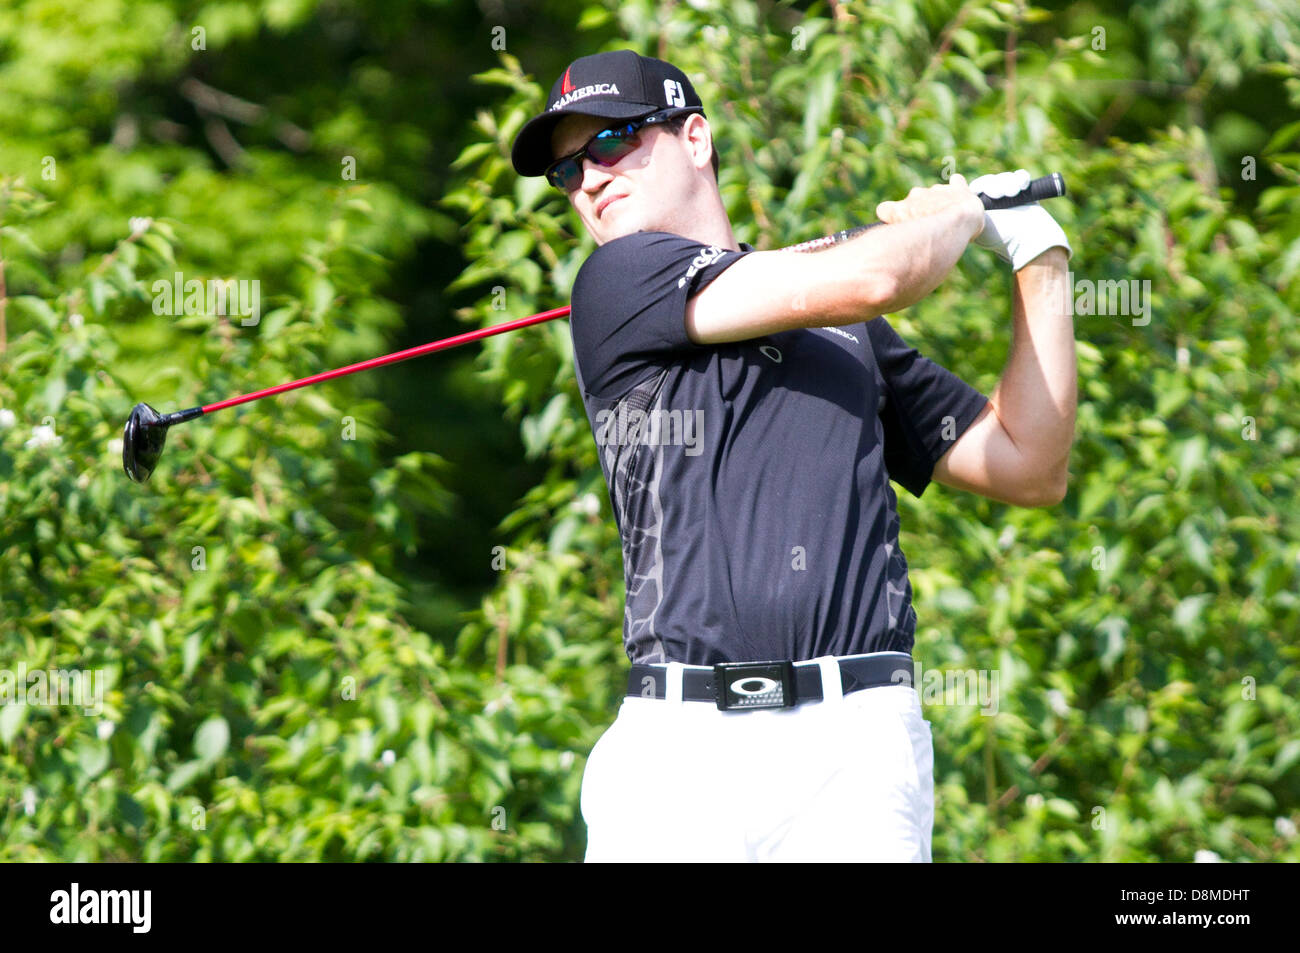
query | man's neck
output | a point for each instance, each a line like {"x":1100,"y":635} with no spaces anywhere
{"x":712,"y":227}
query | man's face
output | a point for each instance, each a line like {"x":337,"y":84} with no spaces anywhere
{"x":638,"y":193}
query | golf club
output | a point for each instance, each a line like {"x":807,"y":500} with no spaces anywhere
{"x":146,"y":429}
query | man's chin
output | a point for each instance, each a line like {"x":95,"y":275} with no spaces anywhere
{"x":612,"y":225}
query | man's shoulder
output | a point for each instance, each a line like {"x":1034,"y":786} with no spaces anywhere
{"x":639,"y":243}
{"x":645,"y":254}
{"x":642,"y":256}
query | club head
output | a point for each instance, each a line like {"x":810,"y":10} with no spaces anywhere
{"x":142,"y":442}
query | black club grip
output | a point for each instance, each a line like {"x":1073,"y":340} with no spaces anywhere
{"x":1047,"y":187}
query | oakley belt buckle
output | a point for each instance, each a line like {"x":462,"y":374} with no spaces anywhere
{"x":751,"y":685}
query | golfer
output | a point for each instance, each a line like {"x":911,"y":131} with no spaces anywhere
{"x":750,"y":410}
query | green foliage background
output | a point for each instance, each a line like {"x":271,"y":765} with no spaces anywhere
{"x":340,"y":672}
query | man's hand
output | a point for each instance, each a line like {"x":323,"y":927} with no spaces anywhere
{"x":955,"y":198}
{"x":1017,"y":235}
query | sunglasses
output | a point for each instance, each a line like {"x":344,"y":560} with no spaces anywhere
{"x":606,"y":148}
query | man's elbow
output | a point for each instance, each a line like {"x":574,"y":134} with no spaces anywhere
{"x":1048,"y":489}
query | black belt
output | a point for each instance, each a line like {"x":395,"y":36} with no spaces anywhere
{"x":753,"y":685}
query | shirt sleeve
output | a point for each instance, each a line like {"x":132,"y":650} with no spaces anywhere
{"x":629,"y":306}
{"x":927,"y":408}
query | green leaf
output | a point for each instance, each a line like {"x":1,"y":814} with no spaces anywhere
{"x":190,"y":653}
{"x":1188,"y":612}
{"x":593,"y":18}
{"x":1257,"y":795}
{"x":320,"y":295}
{"x":92,"y":758}
{"x":1111,"y":633}
{"x":37,"y":308}
{"x":212,"y":739}
{"x":130,"y":811}
{"x":159,"y":246}
{"x":185,"y":774}
{"x":1195,"y":547}
{"x":1283,"y":137}
{"x":12,"y":717}
{"x":1063,"y":808}
{"x":1287,"y":755}
{"x":275,"y":322}
{"x":100,"y":291}
{"x":20,"y":238}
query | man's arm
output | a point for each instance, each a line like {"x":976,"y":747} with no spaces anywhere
{"x":1017,"y":451}
{"x":882,"y":271}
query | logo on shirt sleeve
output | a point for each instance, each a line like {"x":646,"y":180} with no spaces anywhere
{"x":706,"y":257}
{"x":841,"y":333}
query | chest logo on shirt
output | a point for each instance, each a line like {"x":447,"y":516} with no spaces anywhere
{"x":706,"y":257}
{"x":841,"y":333}
{"x":771,"y":353}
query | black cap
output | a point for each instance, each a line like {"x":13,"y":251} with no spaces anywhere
{"x":618,"y":85}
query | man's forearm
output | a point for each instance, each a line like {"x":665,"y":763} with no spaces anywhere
{"x":908,"y":260}
{"x":1037,"y":395}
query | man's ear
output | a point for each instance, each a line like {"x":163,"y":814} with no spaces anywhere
{"x":700,"y":136}
{"x":701,"y":139}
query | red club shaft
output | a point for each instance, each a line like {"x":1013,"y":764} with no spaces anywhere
{"x":394,"y":358}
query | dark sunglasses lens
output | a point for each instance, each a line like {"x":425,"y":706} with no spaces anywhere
{"x":609,"y":149}
{"x":565,"y":175}
{"x":606,"y":148}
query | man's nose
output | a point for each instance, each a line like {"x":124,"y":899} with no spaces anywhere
{"x":594,"y":175}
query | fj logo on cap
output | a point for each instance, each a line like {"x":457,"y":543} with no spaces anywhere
{"x":582,"y":92}
{"x":673,"y":93}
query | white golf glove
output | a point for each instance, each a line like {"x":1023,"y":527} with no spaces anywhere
{"x":1021,"y":234}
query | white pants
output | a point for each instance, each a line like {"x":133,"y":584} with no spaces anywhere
{"x":849,"y":778}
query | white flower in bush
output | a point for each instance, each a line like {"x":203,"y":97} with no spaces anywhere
{"x":104,"y":730}
{"x":43,"y":436}
{"x":1285,"y":827}
{"x":7,"y":418}
{"x":1207,"y":857}
{"x":139,"y":225}
{"x":587,"y":504}
{"x":1006,"y":537}
{"x":388,"y":758}
{"x":76,"y":319}
{"x":1056,"y":701}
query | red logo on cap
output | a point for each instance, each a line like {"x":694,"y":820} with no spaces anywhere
{"x":566,"y":87}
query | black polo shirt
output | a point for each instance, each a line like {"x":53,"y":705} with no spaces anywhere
{"x":750,"y":481}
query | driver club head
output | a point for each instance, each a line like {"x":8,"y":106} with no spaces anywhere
{"x":142,"y":442}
